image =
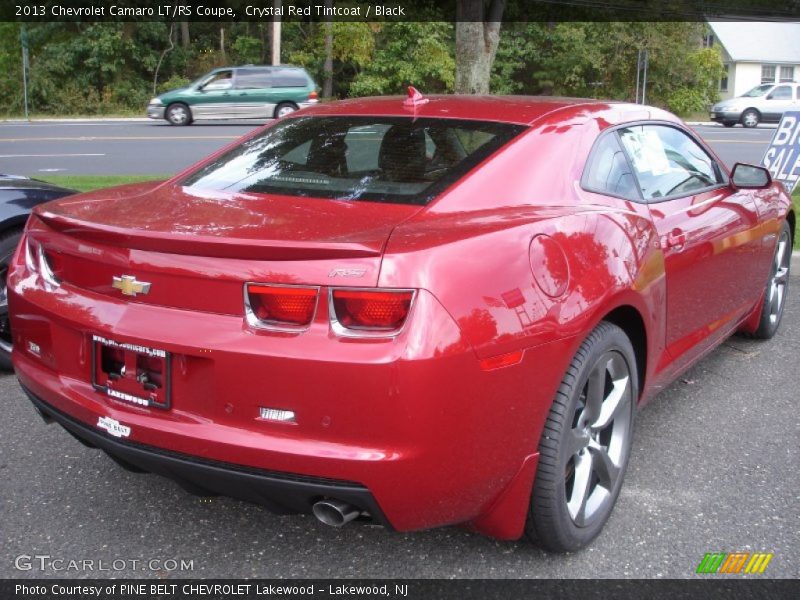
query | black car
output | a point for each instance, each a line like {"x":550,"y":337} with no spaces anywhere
{"x":18,"y":195}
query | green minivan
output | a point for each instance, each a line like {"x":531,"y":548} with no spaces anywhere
{"x":247,"y":92}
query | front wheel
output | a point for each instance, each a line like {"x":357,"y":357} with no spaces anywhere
{"x":777,"y":286}
{"x":750,"y":118}
{"x":584,"y":448}
{"x":8,"y":243}
{"x":178,"y":114}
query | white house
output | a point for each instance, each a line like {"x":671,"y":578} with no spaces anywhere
{"x":755,"y":53}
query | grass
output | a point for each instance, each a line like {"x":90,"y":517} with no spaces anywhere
{"x":87,"y":183}
{"x":796,"y":200}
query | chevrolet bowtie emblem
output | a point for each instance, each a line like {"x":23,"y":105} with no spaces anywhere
{"x":128,"y":285}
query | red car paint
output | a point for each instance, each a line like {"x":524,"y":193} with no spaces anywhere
{"x":513,"y":265}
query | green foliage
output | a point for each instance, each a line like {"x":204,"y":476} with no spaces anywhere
{"x":173,"y":83}
{"x":796,"y":202}
{"x":96,"y":68}
{"x":410,"y":53}
{"x":247,"y":50}
{"x":10,"y":69}
{"x":684,"y":101}
{"x":353,"y":46}
{"x":599,"y":60}
{"x":701,"y":88}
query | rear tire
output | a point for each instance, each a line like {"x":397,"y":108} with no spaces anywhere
{"x":585,"y":444}
{"x":8,"y":244}
{"x":750,"y":118}
{"x":284,"y":108}
{"x":777,"y":287}
{"x":178,"y":114}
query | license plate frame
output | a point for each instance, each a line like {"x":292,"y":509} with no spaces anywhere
{"x":126,"y":389}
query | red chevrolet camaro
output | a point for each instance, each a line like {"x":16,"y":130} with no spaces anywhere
{"x":417,"y":312}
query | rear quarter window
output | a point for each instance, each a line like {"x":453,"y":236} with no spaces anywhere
{"x":607,"y":170}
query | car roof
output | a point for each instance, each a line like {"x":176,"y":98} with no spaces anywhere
{"x":269,"y":67}
{"x":520,"y":110}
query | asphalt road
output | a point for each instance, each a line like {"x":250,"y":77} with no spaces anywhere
{"x":122,"y":148}
{"x":713,"y":468}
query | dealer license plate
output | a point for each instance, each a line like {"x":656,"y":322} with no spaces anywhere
{"x":131,"y":373}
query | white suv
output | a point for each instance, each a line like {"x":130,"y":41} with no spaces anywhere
{"x":763,"y":104}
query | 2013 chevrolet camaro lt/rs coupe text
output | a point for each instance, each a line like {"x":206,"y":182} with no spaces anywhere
{"x":420,"y":311}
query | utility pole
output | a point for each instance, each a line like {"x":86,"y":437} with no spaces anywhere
{"x":276,"y":34}
{"x":641,"y":76}
{"x":23,"y":38}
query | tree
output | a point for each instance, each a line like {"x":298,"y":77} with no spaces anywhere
{"x":476,"y":44}
{"x":327,"y":69}
{"x":418,"y":53}
{"x":161,"y":58}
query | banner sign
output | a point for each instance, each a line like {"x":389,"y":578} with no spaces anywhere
{"x":782,"y":158}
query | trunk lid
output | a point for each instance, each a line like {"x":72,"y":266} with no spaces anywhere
{"x":197,"y":248}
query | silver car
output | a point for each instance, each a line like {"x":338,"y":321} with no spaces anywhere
{"x":765,"y":103}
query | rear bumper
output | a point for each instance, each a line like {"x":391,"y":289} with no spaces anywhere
{"x":413,"y":420}
{"x":282,"y":493}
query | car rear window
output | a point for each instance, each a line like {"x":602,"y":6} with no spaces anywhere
{"x":384,"y":159}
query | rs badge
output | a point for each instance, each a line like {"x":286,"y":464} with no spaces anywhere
{"x":128,"y":285}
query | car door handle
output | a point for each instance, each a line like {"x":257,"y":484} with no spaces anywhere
{"x":676,"y":239}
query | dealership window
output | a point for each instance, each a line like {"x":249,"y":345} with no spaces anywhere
{"x":768,"y":73}
{"x":723,"y":82}
{"x":787,"y":74}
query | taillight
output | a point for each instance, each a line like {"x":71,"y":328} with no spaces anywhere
{"x":365,"y":312}
{"x":38,"y":261}
{"x":279,"y":306}
{"x":313,"y":97}
{"x":32,"y":255}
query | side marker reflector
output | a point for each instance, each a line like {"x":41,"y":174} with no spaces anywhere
{"x":503,"y":360}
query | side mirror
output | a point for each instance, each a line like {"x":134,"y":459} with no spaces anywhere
{"x":750,"y":177}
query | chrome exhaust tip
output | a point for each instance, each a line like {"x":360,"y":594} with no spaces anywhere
{"x":335,"y":512}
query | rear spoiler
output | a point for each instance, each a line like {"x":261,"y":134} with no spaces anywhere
{"x":204,"y":245}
